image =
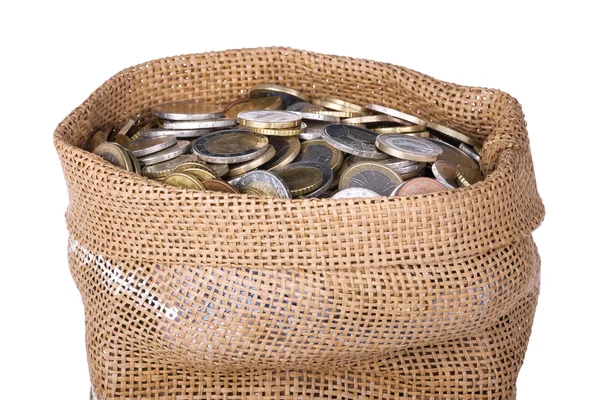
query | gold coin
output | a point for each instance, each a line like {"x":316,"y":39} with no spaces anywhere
{"x":333,"y":106}
{"x":184,"y":180}
{"x":452,"y":133}
{"x":423,"y":134}
{"x":318,"y":150}
{"x":137,"y":168}
{"x":302,"y":179}
{"x":252,"y":191}
{"x":347,"y":104}
{"x":276,"y":119}
{"x":115,"y":154}
{"x":149,"y":125}
{"x":477,"y":149}
{"x":339,"y":114}
{"x":121,"y":139}
{"x":286,"y":149}
{"x":99,"y":137}
{"x":199,"y":170}
{"x":162,"y":169}
{"x":395,"y":130}
{"x":239,"y":169}
{"x":371,"y":119}
{"x":126,"y":129}
{"x":376,"y":177}
{"x":267,"y":89}
{"x":250,"y":104}
{"x":281,"y":132}
{"x":467,"y":176}
{"x":396,"y":114}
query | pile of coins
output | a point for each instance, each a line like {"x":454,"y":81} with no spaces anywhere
{"x":280,"y":143}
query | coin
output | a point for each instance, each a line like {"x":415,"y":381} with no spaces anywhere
{"x":218,"y":185}
{"x":340,"y":114}
{"x":149,"y":125}
{"x":184,"y":180}
{"x":286,"y":149}
{"x":454,"y":156}
{"x":397,"y":114}
{"x":99,"y":137}
{"x":288,"y":95}
{"x":160,"y":170}
{"x":199,"y":170}
{"x":181,"y":147}
{"x":281,"y":132}
{"x":301,"y":179}
{"x":336,"y":106}
{"x":187,"y":110}
{"x":137,"y":168}
{"x":250,"y":191}
{"x":370,"y":119}
{"x":240,"y":168}
{"x":467,"y":176}
{"x":114,"y":154}
{"x":408,"y":147}
{"x":407,"y":172}
{"x":346,"y":104}
{"x":304,"y":107}
{"x":314,"y":130}
{"x":179,"y":133}
{"x":384,"y":130}
{"x":320,"y":151}
{"x":200,"y":124}
{"x":327,"y":173}
{"x":230,"y":146}
{"x":444,"y":130}
{"x":220,"y":169}
{"x":355,"y":192}
{"x":266,"y":182}
{"x":127,"y":126}
{"x":353,"y":140}
{"x":418,"y":186}
{"x":315,"y":116}
{"x":145,"y":146}
{"x":445,"y":173}
{"x":338,"y":174}
{"x":477,"y":148}
{"x":404,"y":168}
{"x":269,"y":119}
{"x":121,"y":139}
{"x":376,"y":177}
{"x":249,"y":104}
{"x":468,"y":151}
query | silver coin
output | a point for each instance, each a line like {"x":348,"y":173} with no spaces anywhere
{"x":220,"y":169}
{"x":169,"y":165}
{"x":187,"y":110}
{"x":468,"y":151}
{"x":376,"y":177}
{"x":230,"y":146}
{"x":144,"y":146}
{"x":314,"y":130}
{"x":269,"y":116}
{"x":397,"y":114}
{"x":409,"y":147}
{"x":317,"y":117}
{"x":264,"y":181}
{"x":354,"y":192}
{"x":179,"y":133}
{"x":327,"y":177}
{"x":303,"y":106}
{"x":203,"y":124}
{"x":181,"y":147}
{"x":453,"y":155}
{"x":445,"y":173}
{"x":409,"y":171}
{"x":353,"y":140}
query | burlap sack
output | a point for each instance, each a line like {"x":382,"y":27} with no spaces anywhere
{"x":202,"y":295}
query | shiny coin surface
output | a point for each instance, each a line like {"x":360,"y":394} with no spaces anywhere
{"x":288,"y":95}
{"x":301,"y":179}
{"x":218,"y":185}
{"x":121,"y":139}
{"x":370,"y":120}
{"x":249,"y":104}
{"x":409,"y":148}
{"x":340,"y":114}
{"x":187,"y":110}
{"x":336,"y":106}
{"x":444,"y":130}
{"x":396,"y":114}
{"x":127,"y":127}
{"x":181,"y":147}
{"x":384,"y":130}
{"x":266,"y":182}
{"x":286,"y":150}
{"x":376,"y":177}
{"x":240,"y":168}
{"x":250,"y":191}
{"x":184,"y":180}
{"x":454,"y":156}
{"x":346,"y":104}
{"x":115,"y":154}
{"x":220,"y":169}
{"x":467,"y":176}
{"x":304,"y":107}
{"x":314,"y":116}
{"x":269,"y":119}
{"x":178,"y":133}
{"x":199,"y":170}
{"x":145,"y":146}
{"x":445,"y":173}
{"x":137,"y":167}
{"x":355,"y":193}
{"x":200,"y":124}
{"x":320,"y":151}
{"x":327,"y":173}
{"x":163,"y":169}
{"x":353,"y":140}
{"x":149,"y":125}
{"x":314,"y":130}
{"x":470,"y":152}
{"x":281,"y":132}
{"x":419,"y":186}
{"x":230,"y":146}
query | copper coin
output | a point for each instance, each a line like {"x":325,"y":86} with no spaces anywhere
{"x":218,"y":185}
{"x":419,"y":186}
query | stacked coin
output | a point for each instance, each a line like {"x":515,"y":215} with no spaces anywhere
{"x":279,"y":143}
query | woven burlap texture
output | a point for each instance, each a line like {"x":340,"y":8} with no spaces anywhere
{"x":204,"y":295}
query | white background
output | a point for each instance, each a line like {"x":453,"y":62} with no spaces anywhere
{"x":54,"y":54}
